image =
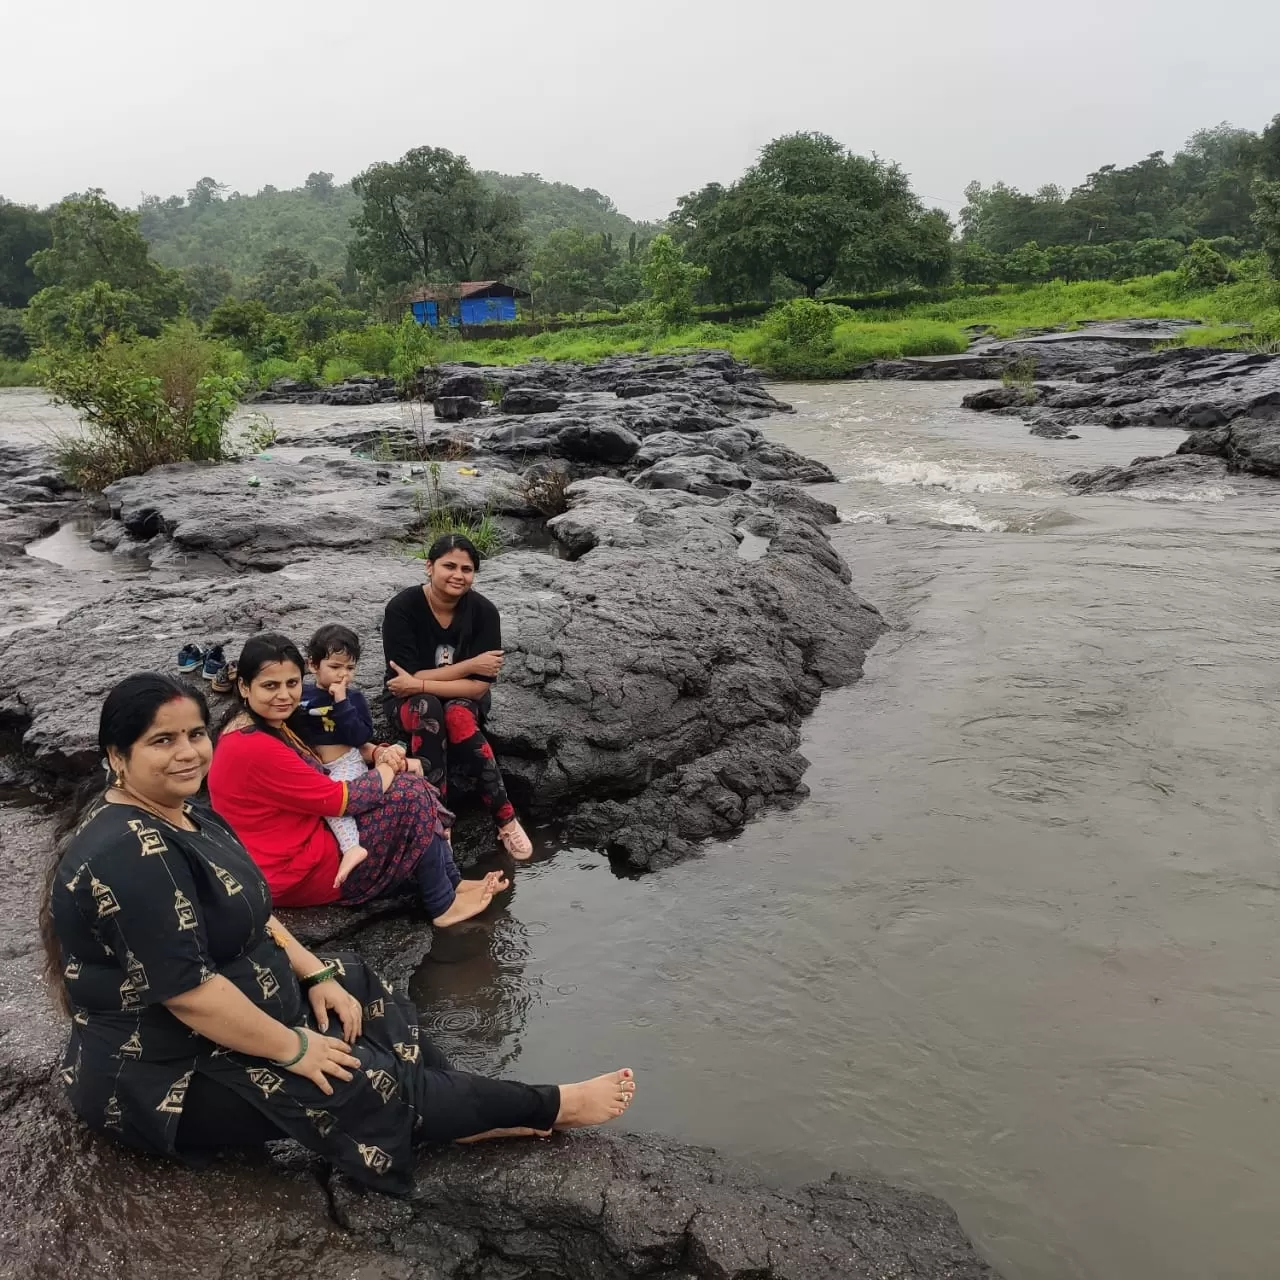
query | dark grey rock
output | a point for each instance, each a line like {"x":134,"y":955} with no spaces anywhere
{"x":531,"y":399}
{"x":607,"y":443}
{"x":463,"y":383}
{"x":1054,"y":431}
{"x":1003,"y":397}
{"x":296,"y":508}
{"x":701,"y":473}
{"x":578,"y":633}
{"x":1248,"y":444}
{"x":455,"y":408}
{"x":1174,"y":473}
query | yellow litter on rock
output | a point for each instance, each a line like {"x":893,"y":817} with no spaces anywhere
{"x":468,"y":471}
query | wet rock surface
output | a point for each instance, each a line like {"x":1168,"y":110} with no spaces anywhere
{"x":592,"y":1206}
{"x":34,"y":498}
{"x":645,"y":710}
{"x":619,"y":417}
{"x":1172,"y":473}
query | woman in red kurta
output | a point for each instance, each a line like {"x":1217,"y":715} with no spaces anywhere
{"x":276,"y":797}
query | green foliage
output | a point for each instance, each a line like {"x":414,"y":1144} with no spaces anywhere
{"x":814,"y":213}
{"x":141,"y":404}
{"x":289,"y":281}
{"x":436,"y":517}
{"x":415,"y":345}
{"x":23,"y":232}
{"x":207,"y":287}
{"x":19,"y":373}
{"x":1266,"y":196}
{"x":670,"y":282}
{"x":546,"y":207}
{"x":574,"y":270}
{"x":1202,"y":268}
{"x":100,"y":280}
{"x":428,"y":217}
{"x":14,"y":342}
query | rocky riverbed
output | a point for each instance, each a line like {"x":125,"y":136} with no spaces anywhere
{"x":678,"y":617}
{"x":1228,"y":400}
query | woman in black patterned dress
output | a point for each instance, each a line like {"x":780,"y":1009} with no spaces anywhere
{"x":199,"y":1022}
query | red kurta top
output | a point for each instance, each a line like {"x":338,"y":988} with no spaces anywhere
{"x":277,"y":804}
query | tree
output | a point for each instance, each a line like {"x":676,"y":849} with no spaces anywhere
{"x":289,"y":281}
{"x":319,"y":185}
{"x":428,"y":217}
{"x":1027,"y":264}
{"x":811,"y":211}
{"x":1266,"y":218}
{"x":976,"y":265}
{"x":205,"y":192}
{"x":100,"y":279}
{"x":1149,"y":257}
{"x":575,"y":270}
{"x":206,"y":287}
{"x":23,"y":232}
{"x":14,"y":343}
{"x":1202,"y":268}
{"x":670,"y":282}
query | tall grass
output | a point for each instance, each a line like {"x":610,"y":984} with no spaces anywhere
{"x":19,"y":373}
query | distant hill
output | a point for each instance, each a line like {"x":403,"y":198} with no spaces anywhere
{"x":235,"y":231}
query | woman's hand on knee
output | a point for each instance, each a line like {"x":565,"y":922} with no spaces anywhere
{"x":332,"y":997}
{"x":390,"y":755}
{"x":325,"y":1057}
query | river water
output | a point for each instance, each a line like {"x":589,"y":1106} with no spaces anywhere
{"x":1019,"y":947}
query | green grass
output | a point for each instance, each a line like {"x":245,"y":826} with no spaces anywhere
{"x":19,"y":373}
{"x":1241,"y":314}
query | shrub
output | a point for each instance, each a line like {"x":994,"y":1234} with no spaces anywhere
{"x":340,"y":368}
{"x":1203,"y":268}
{"x":545,"y":490}
{"x":437,"y":516}
{"x":141,"y":404}
{"x":14,"y":343}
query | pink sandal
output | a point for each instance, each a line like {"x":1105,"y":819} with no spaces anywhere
{"x":515,"y":841}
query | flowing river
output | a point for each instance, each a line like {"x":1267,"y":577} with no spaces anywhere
{"x":1019,"y":947}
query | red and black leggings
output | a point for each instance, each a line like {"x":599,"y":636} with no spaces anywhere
{"x":446,"y":737}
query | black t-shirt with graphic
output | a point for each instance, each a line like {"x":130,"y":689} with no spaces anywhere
{"x":413,"y":638}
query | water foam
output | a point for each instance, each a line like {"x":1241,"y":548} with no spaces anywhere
{"x":955,"y":477}
{"x":865,"y":517}
{"x":956,"y":514}
{"x":1203,"y":493}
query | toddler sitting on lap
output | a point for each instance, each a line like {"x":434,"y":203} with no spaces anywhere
{"x":337,"y":726}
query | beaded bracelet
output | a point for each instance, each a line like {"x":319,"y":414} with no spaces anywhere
{"x":320,"y":975}
{"x":297,"y":1057}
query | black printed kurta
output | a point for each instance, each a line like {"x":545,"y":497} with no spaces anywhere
{"x":144,"y":911}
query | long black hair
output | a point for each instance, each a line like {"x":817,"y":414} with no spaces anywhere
{"x":127,"y":713}
{"x":261,"y":651}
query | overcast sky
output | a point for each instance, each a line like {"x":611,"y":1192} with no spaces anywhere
{"x":644,"y":100}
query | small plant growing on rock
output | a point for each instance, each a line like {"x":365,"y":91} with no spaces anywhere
{"x":437,"y":516}
{"x":546,"y":491}
{"x":1021,"y":373}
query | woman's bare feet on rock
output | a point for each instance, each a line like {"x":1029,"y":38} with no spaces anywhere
{"x":516,"y":841}
{"x":595,"y":1101}
{"x":493,"y":883}
{"x":465,"y":905}
{"x":490,"y":1134}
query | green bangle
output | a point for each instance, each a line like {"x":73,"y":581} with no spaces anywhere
{"x":297,"y":1057}
{"x":320,"y":975}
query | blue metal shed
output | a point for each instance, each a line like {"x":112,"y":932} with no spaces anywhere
{"x":471,"y":302}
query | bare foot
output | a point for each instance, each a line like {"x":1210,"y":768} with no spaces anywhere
{"x":516,"y":841}
{"x":489,"y":1134}
{"x":350,"y":861}
{"x":465,"y":905}
{"x":595,"y":1101}
{"x":494,"y":882}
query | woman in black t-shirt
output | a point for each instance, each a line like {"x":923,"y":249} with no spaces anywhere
{"x":443,"y":644}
